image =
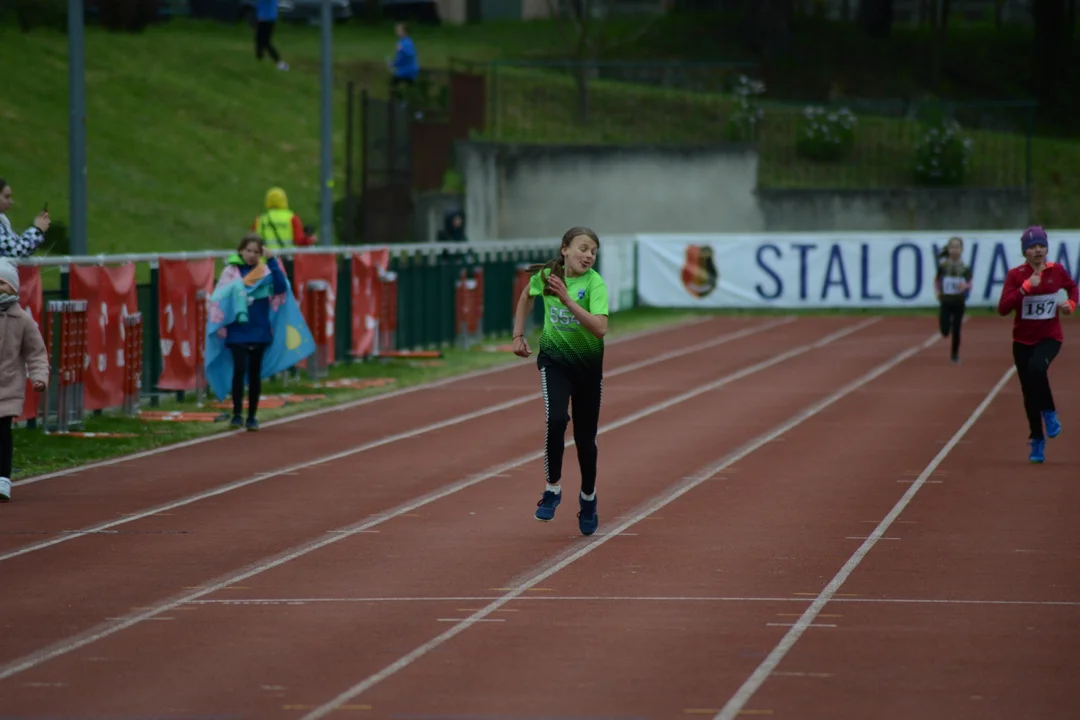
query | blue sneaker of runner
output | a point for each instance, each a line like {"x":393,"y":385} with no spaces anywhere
{"x":545,"y":509}
{"x":1038,"y":450}
{"x":588,"y":520}
{"x":1053,"y":425}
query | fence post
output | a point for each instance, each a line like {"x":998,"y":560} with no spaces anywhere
{"x":466,"y":310}
{"x":66,"y":319}
{"x":477,"y":327}
{"x":133,"y":347}
{"x":317,"y":292}
{"x":202,"y":300}
{"x":386,"y":316}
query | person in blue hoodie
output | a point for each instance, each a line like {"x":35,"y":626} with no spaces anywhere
{"x":266,"y":15}
{"x":404,"y":66}
{"x":248,"y":337}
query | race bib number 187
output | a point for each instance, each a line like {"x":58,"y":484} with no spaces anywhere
{"x":1039,"y":307}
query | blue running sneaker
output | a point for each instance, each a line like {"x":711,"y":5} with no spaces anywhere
{"x":1038,"y":450}
{"x":588,"y":520}
{"x":545,"y":509}
{"x":1053,"y":425}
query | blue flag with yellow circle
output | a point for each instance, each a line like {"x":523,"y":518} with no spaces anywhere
{"x":292,"y":339}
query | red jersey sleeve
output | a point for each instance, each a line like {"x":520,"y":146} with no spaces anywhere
{"x":1012,"y":294}
{"x":1070,"y":287}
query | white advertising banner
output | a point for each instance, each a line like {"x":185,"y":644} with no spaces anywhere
{"x":615,"y":262}
{"x":826,"y":270}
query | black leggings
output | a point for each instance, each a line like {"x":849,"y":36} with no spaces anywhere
{"x":7,"y":447}
{"x":559,"y":383}
{"x":1032,"y":364}
{"x":263,"y":32}
{"x":951,"y":319}
{"x":247,"y":358}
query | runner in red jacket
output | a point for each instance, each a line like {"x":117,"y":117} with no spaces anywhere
{"x":1032,"y":292}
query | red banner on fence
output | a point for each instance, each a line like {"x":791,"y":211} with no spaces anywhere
{"x":309,"y":266}
{"x":31,"y":300}
{"x":178,"y":281}
{"x":365,"y":298}
{"x":110,"y":295}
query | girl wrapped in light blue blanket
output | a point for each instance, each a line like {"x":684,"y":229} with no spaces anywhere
{"x":254,"y":328}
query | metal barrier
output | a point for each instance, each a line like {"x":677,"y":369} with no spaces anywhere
{"x":413,"y":320}
{"x":61,"y":407}
{"x":133,"y":354}
{"x":467,"y":309}
{"x":386,"y":292}
{"x":202,"y":304}
{"x":316,"y":297}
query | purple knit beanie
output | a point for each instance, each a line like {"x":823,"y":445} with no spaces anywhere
{"x":1034,"y":235}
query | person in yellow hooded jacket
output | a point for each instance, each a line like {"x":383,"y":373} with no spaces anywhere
{"x":279,"y":227}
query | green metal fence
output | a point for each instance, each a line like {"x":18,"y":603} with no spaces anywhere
{"x":567,"y":101}
{"x":895,"y":144}
{"x":891,"y":144}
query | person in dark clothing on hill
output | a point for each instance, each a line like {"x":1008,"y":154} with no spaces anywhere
{"x":266,"y":15}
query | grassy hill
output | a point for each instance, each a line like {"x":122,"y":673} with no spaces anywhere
{"x":186,"y":130}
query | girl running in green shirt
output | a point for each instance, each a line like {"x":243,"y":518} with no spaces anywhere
{"x":571,"y":361}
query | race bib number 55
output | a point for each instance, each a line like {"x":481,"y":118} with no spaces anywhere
{"x":1039,"y":307}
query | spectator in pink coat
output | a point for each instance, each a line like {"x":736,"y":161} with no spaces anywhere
{"x":21,"y":348}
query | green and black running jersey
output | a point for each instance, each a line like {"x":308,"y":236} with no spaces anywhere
{"x":564,"y":338}
{"x":950,"y":274}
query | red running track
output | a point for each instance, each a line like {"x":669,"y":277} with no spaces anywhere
{"x":822,"y":518}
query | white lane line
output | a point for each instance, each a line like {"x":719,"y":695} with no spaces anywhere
{"x":407,"y":435}
{"x":629,"y":337}
{"x":670,"y":496}
{"x":676,"y":599}
{"x":733,"y":706}
{"x":92,"y":636}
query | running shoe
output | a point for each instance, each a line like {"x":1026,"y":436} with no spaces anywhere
{"x":1038,"y":450}
{"x":1053,"y":425}
{"x":545,"y":509}
{"x":588,"y":520}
